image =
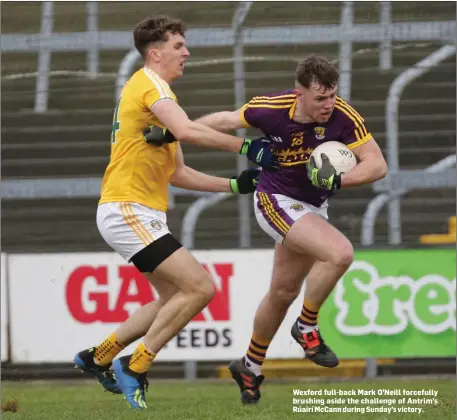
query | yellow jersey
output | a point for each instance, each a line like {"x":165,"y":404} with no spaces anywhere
{"x":138,"y":172}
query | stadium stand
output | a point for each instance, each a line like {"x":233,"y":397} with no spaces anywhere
{"x":72,"y":138}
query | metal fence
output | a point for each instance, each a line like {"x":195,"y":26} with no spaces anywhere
{"x":344,"y":34}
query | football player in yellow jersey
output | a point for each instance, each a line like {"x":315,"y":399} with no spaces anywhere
{"x":134,"y":198}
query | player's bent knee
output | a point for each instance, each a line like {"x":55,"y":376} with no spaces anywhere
{"x":149,"y":258}
{"x":343,"y":255}
{"x":200,"y":284}
{"x":206,"y":289}
{"x":283,"y":297}
{"x":208,"y":293}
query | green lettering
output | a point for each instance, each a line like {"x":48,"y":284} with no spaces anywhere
{"x":432,"y":295}
{"x":355,"y":298}
{"x":386,"y":296}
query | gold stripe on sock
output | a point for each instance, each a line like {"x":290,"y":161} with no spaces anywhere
{"x":311,"y":306}
{"x":309,"y":314}
{"x":253,"y":356}
{"x":307,"y":317}
{"x":259,"y":340}
{"x":307,"y":320}
{"x":258,"y":347}
{"x":305,"y":314}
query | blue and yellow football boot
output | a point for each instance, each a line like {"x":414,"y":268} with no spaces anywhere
{"x":84,"y":360}
{"x":132,"y":384}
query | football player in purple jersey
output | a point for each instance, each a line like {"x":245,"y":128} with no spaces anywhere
{"x":291,"y":206}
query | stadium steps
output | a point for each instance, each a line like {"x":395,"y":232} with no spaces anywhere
{"x":27,"y":118}
{"x":44,"y":224}
{"x":76,"y":129}
{"x":292,"y":368}
{"x":122,"y":16}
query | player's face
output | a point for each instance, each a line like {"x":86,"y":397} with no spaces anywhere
{"x":172,"y":55}
{"x":317,"y":101}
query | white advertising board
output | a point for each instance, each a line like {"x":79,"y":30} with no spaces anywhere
{"x":4,"y":310}
{"x":62,"y":303}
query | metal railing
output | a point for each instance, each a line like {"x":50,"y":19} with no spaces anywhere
{"x":44,"y":59}
{"x":393,"y":192}
{"x":23,"y":189}
{"x":244,"y":210}
{"x":377,"y":203}
{"x":392,"y":106}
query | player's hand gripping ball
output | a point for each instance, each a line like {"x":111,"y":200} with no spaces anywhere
{"x":326,"y":164}
{"x":339,"y":155}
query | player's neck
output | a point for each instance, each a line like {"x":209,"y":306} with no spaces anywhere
{"x":300,"y":115}
{"x":159,"y":71}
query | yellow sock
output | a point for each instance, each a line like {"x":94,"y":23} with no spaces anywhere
{"x":107,"y":351}
{"x":141,"y":359}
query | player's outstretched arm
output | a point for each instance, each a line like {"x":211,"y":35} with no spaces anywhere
{"x":371,"y":167}
{"x":184,"y":130}
{"x":187,"y":131}
{"x":223,"y":121}
{"x":176,"y":120}
{"x":190,"y":179}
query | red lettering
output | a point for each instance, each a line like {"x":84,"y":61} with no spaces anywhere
{"x":219,"y":307}
{"x":129,"y":275}
{"x":74,"y":294}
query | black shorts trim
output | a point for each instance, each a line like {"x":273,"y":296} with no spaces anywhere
{"x":149,"y":258}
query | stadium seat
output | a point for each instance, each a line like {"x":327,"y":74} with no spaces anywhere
{"x":441,"y":239}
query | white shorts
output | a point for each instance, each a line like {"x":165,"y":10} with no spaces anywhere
{"x":276,"y":213}
{"x":130,"y":227}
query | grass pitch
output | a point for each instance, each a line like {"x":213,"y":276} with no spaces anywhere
{"x":218,"y":400}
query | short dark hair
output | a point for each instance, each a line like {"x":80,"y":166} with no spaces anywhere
{"x":156,"y":29}
{"x":314,"y":69}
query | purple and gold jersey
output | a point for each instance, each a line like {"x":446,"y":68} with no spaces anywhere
{"x":294,"y":142}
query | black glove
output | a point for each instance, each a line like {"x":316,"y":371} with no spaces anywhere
{"x":325,"y":177}
{"x":257,"y":151}
{"x":158,"y":136}
{"x":246,"y":182}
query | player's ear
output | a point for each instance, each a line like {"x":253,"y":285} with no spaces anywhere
{"x":154,"y":54}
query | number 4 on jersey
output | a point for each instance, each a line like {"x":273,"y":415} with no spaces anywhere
{"x":116,"y":123}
